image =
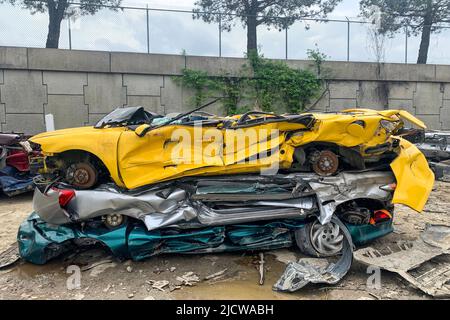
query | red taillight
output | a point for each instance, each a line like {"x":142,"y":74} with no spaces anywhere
{"x":380,"y":216}
{"x":65,"y":195}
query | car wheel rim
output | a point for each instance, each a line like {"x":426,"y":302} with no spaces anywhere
{"x":114,"y":220}
{"x":326,"y":239}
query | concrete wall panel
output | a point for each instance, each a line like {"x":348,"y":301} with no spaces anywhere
{"x":343,"y":89}
{"x":148,"y":102}
{"x":399,"y":104}
{"x":373,"y":95}
{"x":428,"y":98}
{"x":95,"y":117}
{"x":342,"y":104}
{"x":68,"y":60}
{"x":432,"y":121}
{"x":410,"y":72}
{"x":171,"y":96}
{"x":25,"y":123}
{"x":104,"y":92}
{"x":68,"y":111}
{"x":351,"y":70}
{"x":215,"y":66}
{"x":13,"y":58}
{"x":23,"y":91}
{"x":147,"y":63}
{"x":65,"y":82}
{"x":143,"y":85}
{"x":401,"y":90}
{"x":445,"y":115}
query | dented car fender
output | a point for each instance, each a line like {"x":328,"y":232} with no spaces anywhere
{"x":414,"y":177}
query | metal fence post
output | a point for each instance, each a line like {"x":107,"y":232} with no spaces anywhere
{"x":148,"y":31}
{"x":70,"y":33}
{"x":286,"y":42}
{"x":406,"y":44}
{"x":348,"y":39}
{"x":220,"y":35}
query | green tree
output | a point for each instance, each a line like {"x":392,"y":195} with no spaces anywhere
{"x":253,"y":13}
{"x":60,"y":9}
{"x":422,"y":17}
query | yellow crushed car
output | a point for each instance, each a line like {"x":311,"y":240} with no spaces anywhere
{"x":135,"y":148}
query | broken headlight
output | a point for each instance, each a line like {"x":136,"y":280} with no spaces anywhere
{"x":34,"y":146}
{"x":26,"y":146}
{"x":389,"y":126}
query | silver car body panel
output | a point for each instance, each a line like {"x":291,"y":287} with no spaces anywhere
{"x":171,"y":204}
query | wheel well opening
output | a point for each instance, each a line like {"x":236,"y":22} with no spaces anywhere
{"x":359,"y":211}
{"x":72,"y":156}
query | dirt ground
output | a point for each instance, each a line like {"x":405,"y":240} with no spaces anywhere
{"x":113,"y":279}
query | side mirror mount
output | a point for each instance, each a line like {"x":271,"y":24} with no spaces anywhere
{"x":142,"y":130}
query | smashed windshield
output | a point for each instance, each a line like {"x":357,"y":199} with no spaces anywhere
{"x":127,"y":116}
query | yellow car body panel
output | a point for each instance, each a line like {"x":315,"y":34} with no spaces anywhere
{"x":102,"y":143}
{"x":154,"y":157}
{"x":339,"y":129}
{"x":135,"y":161}
{"x":414,"y":177}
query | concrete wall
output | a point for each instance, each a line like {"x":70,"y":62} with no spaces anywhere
{"x":79,"y":87}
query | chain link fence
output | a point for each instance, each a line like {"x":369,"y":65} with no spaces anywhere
{"x":167,"y":31}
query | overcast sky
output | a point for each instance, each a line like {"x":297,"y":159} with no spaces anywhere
{"x":174,"y":32}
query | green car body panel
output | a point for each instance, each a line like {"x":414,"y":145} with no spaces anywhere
{"x":40,"y":242}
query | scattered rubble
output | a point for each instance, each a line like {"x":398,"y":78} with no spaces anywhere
{"x":188,"y":279}
{"x":9,"y":256}
{"x":216,"y":275}
{"x":100,"y":268}
{"x":95,"y":264}
{"x":424,"y":263}
{"x":158,"y":284}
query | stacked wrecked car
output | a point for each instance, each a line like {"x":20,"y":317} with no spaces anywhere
{"x":141,"y":184}
{"x":15,"y":176}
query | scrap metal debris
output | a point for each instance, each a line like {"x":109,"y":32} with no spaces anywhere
{"x":261,"y":268}
{"x":160,"y":285}
{"x":424,"y":263}
{"x":299,"y":274}
{"x":216,"y":275}
{"x":188,"y":279}
{"x":436,"y":148}
{"x":9,"y":256}
{"x":95,"y":264}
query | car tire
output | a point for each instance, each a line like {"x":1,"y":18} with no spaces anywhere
{"x":318,"y":240}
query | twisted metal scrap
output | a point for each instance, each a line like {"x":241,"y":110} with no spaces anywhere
{"x":299,"y":274}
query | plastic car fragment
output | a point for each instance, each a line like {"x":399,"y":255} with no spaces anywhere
{"x":424,"y":263}
{"x":299,"y":274}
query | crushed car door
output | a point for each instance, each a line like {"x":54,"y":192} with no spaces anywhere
{"x":167,"y":152}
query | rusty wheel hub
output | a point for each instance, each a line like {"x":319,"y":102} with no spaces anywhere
{"x":326,"y":163}
{"x":82,"y":175}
